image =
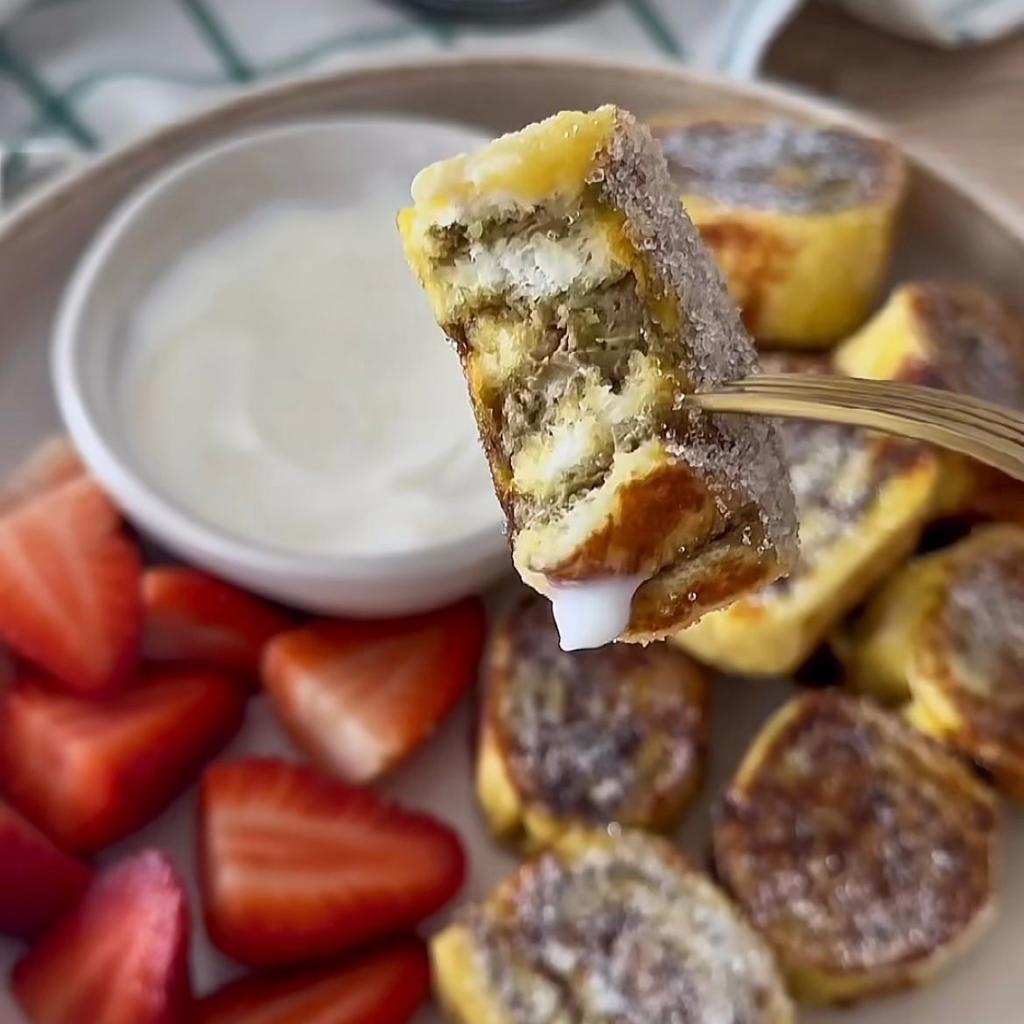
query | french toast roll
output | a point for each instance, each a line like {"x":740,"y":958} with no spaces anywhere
{"x":585,"y":738}
{"x":862,"y":500}
{"x":606,"y":929}
{"x":800,"y":218}
{"x":947,"y":634}
{"x":862,"y":850}
{"x":584,"y":308}
{"x":957,"y":337}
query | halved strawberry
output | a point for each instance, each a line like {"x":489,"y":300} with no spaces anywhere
{"x":69,"y":587}
{"x":38,"y":882}
{"x":52,"y":462}
{"x":297,"y":866}
{"x":120,"y":957}
{"x":89,"y":773}
{"x":359,"y":696}
{"x":190,"y":616}
{"x":383,"y":987}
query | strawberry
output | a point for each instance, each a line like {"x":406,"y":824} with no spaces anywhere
{"x":295,"y":865}
{"x":51,"y":463}
{"x":382,"y":987}
{"x":89,"y":773}
{"x":190,"y":616}
{"x":69,"y":587}
{"x":38,"y":882}
{"x":357,"y":697}
{"x":120,"y":957}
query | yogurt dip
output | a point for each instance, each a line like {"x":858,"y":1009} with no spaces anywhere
{"x":285,"y":381}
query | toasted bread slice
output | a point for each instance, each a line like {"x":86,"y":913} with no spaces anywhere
{"x":958,"y":337}
{"x":861,"y":849}
{"x":948,"y":633}
{"x":584,"y":308}
{"x":603,"y":928}
{"x":862,"y":501}
{"x":799,"y":217}
{"x":585,"y":738}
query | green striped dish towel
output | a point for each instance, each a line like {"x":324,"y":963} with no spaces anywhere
{"x":94,"y":73}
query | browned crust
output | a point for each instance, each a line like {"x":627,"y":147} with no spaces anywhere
{"x":989,"y":728}
{"x":857,"y":845}
{"x":524,"y":643}
{"x":757,"y":259}
{"x":890,"y":183}
{"x":680,"y":595}
{"x":965,"y":324}
{"x":670,"y":501}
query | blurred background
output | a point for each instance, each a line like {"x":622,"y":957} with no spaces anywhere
{"x":81,"y":75}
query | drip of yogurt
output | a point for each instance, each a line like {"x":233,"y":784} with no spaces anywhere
{"x":594,"y":612}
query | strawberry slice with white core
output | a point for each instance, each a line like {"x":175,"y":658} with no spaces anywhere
{"x":70,"y":588}
{"x":297,"y":866}
{"x":382,"y":987}
{"x":360,"y":696}
{"x":190,"y":616}
{"x":88,"y":773}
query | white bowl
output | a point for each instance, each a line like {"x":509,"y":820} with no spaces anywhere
{"x":312,"y":163}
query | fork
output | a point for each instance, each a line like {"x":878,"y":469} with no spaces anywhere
{"x":987,"y":432}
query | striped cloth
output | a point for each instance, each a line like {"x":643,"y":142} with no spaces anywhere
{"x":98,"y":72}
{"x":79,"y":75}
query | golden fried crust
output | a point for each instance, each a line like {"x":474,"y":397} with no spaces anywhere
{"x":861,"y":849}
{"x":586,"y":738}
{"x":600,"y":928}
{"x":672,"y":500}
{"x":862,"y":501}
{"x":800,"y":218}
{"x":957,"y":337}
{"x":584,"y":308}
{"x":965,"y":664}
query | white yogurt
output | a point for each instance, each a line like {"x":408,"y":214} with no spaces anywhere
{"x":594,"y":612}
{"x":287,"y":383}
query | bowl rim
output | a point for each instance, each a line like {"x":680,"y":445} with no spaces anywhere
{"x":180,"y":135}
{"x":158,"y":510}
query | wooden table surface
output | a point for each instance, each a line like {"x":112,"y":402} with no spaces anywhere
{"x":967,"y":105}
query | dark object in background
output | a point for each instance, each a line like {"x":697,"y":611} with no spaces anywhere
{"x":498,"y":10}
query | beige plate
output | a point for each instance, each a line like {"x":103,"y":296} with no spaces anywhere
{"x":951,"y":228}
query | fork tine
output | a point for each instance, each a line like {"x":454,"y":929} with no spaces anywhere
{"x":1011,"y":424}
{"x":941,"y":405}
{"x":873,"y":409}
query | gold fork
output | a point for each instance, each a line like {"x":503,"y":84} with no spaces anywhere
{"x":984,"y":431}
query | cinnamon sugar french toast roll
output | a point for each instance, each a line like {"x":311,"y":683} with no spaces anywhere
{"x":862,"y":502}
{"x":947,"y":635}
{"x":585,"y":308}
{"x":606,"y":929}
{"x":862,"y":850}
{"x":800,"y":218}
{"x":958,"y":337}
{"x":585,"y":738}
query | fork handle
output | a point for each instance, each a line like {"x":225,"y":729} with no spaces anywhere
{"x":975,"y":442}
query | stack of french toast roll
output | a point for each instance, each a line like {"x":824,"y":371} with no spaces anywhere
{"x":853,"y":851}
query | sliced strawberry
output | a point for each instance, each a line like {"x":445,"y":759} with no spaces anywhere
{"x":38,"y":882}
{"x":359,"y":696}
{"x":89,"y":773}
{"x":69,"y":587}
{"x":51,"y":463}
{"x":298,"y":866}
{"x":120,"y":957}
{"x":190,"y":616}
{"x":383,"y":987}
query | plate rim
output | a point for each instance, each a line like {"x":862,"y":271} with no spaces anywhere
{"x":994,"y":204}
